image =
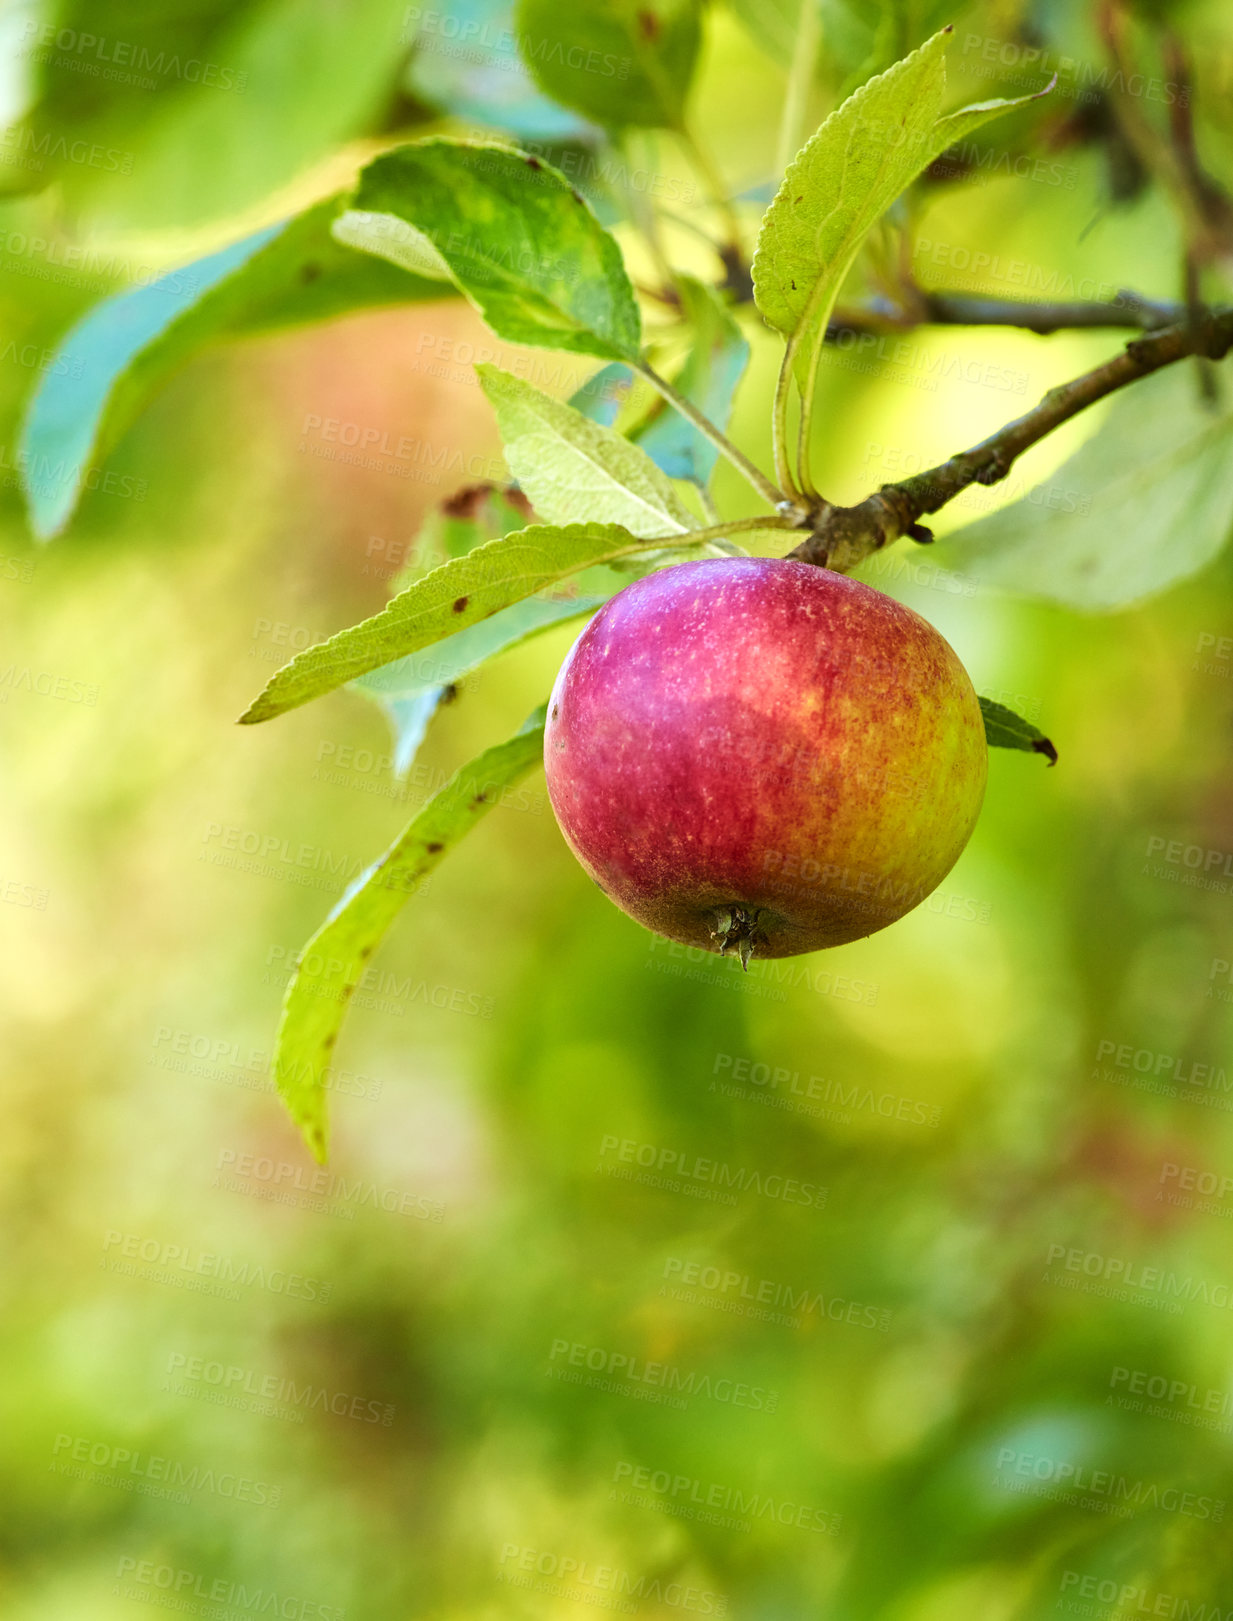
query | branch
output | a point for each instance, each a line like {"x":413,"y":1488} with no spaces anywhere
{"x":1128,"y":309}
{"x":843,"y":536}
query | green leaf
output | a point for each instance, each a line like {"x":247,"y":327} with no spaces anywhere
{"x":315,"y":1005}
{"x":1006,"y":730}
{"x":123,"y":349}
{"x":308,"y":274}
{"x":449,"y":660}
{"x":385,"y":236}
{"x":521,"y":243}
{"x":574,"y":469}
{"x":459,"y":593}
{"x":841,"y":182}
{"x":623,"y":63}
{"x":1147,"y":501}
{"x":410,"y":690}
{"x":708,"y":380}
{"x":413,"y":688}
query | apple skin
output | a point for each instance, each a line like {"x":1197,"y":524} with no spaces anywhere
{"x":764,"y":754}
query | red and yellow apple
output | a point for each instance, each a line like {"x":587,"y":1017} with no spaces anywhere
{"x":762,"y":755}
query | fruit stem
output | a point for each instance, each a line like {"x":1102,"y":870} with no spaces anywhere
{"x":758,"y":479}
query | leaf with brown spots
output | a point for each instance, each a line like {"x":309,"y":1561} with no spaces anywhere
{"x":486,"y":580}
{"x":520,"y":244}
{"x":331,"y":966}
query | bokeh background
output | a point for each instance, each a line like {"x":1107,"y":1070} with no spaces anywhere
{"x":961,"y":1345}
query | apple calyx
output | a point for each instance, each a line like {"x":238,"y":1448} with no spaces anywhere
{"x":738,"y":930}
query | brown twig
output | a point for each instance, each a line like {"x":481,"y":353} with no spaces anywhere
{"x":1127,"y":310}
{"x":840,"y":537}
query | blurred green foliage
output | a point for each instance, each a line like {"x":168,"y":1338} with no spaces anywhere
{"x":522,"y":1349}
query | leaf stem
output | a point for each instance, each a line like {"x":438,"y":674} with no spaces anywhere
{"x":843,"y":536}
{"x":736,"y":526}
{"x":758,"y":479}
{"x":803,"y":472}
{"x":779,"y":426}
{"x":806,"y":389}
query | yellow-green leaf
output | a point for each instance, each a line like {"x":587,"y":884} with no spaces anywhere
{"x":316,"y":1002}
{"x":461,"y":592}
{"x":842,"y":181}
{"x":572,"y":468}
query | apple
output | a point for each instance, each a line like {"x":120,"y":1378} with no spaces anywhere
{"x":763,"y":755}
